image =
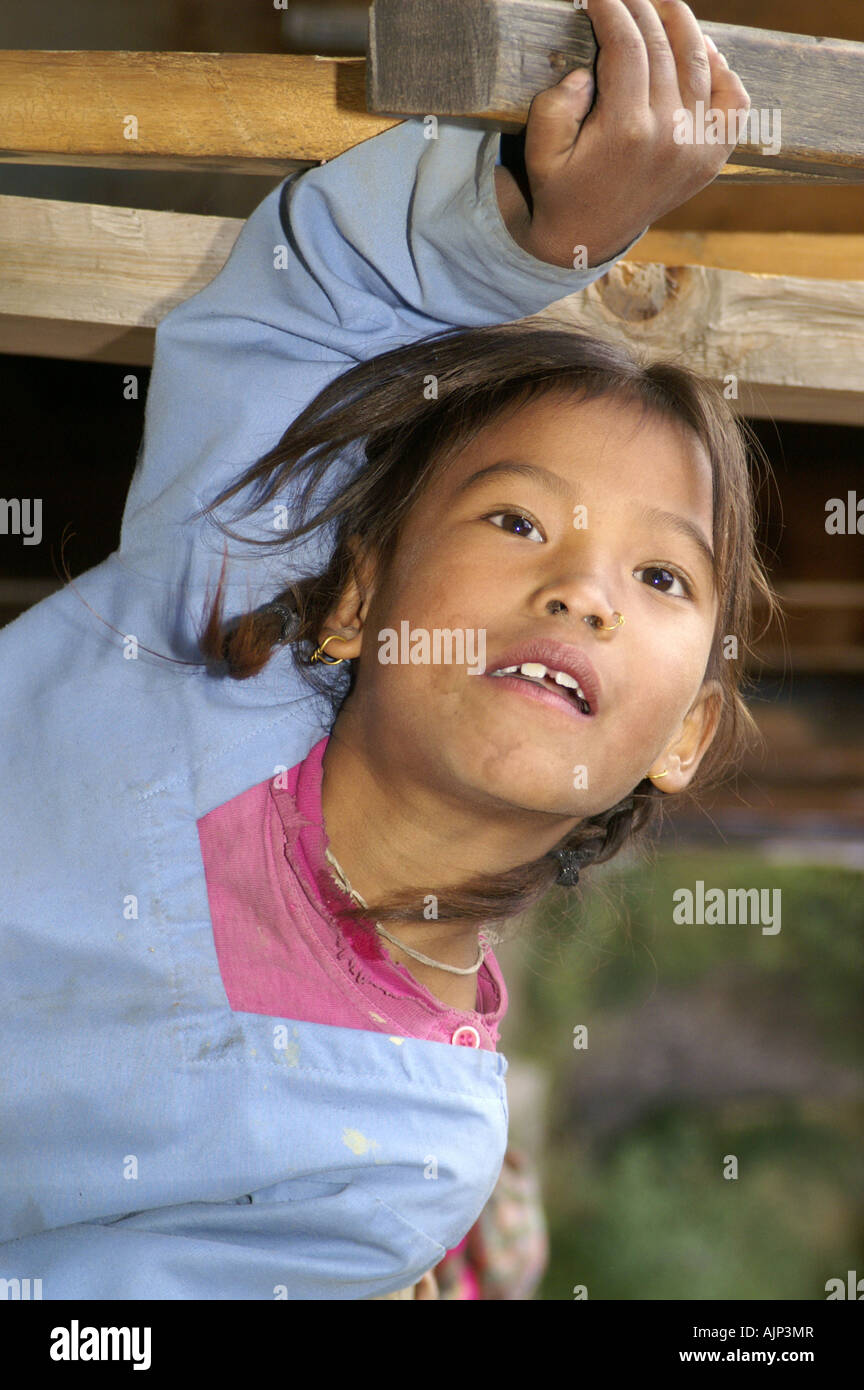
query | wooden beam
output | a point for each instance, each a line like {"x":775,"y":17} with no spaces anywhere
{"x":253,"y":113}
{"x":21,"y":593}
{"x":263,"y":113}
{"x":87,"y":281}
{"x":821,"y":594}
{"x":809,"y":255}
{"x":792,"y":348}
{"x":83,"y":280}
{"x":492,"y":56}
{"x":740,"y":173}
{"x":797,"y":657}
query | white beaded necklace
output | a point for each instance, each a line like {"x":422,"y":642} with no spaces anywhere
{"x":485,"y":938}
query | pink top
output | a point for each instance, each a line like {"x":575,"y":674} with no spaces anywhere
{"x":282,"y":951}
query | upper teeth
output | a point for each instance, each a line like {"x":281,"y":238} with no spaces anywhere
{"x":533,"y":669}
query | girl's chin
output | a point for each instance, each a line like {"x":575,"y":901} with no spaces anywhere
{"x":523,"y":771}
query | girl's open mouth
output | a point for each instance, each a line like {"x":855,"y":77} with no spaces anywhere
{"x":557,"y":691}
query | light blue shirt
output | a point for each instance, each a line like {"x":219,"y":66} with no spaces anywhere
{"x":154,"y":1144}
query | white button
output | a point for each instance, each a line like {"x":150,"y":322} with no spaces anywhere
{"x":466,"y":1036}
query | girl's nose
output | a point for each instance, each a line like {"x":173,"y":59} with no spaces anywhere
{"x":585,"y":600}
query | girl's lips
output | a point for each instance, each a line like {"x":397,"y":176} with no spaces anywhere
{"x":539,"y":692}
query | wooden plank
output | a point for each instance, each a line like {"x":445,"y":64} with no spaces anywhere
{"x":792,"y":348}
{"x":819,"y":405}
{"x":225,"y":112}
{"x":75,"y":341}
{"x":492,"y":56}
{"x":87,"y":262}
{"x":88,"y":281}
{"x":823,"y":593}
{"x":236,"y":112}
{"x":768,"y":177}
{"x":809,"y":255}
{"x":82,"y":280}
{"x":21,"y":593}
{"x":797,"y":657}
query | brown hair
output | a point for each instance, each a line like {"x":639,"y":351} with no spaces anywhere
{"x":408,"y":411}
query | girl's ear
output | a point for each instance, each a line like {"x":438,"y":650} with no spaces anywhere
{"x":683,"y":756}
{"x":347,"y":619}
{"x":366,"y":570}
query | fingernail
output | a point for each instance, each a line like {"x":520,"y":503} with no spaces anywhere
{"x":711,"y":44}
{"x":578,"y":79}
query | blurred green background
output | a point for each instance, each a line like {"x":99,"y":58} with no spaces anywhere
{"x":703,"y":1041}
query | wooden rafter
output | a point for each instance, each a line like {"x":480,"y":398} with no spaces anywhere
{"x":258,"y":113}
{"x":491,"y":56}
{"x":89,"y":281}
{"x":269,"y":113}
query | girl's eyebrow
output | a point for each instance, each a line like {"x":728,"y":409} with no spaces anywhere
{"x":553,"y":482}
{"x":657,"y":517}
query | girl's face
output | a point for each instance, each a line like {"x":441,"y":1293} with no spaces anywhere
{"x":607,"y":519}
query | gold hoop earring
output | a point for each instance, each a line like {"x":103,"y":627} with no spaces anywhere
{"x":326,"y":660}
{"x":655,"y":776}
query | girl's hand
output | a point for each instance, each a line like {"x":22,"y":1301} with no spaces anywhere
{"x":597,"y":180}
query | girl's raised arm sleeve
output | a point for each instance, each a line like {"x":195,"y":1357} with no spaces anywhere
{"x":396,"y":239}
{"x":153,"y":1141}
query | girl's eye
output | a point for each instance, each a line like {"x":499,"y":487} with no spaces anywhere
{"x":526,"y":523}
{"x":659,"y":577}
{"x":662,"y":579}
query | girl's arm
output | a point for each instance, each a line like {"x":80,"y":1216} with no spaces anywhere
{"x":398,"y":238}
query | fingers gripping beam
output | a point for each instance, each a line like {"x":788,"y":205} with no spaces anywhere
{"x":491,"y":57}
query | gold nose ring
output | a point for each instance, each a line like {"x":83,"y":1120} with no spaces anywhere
{"x":591,"y":619}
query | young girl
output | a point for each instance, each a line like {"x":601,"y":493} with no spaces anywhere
{"x":223,"y":1079}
